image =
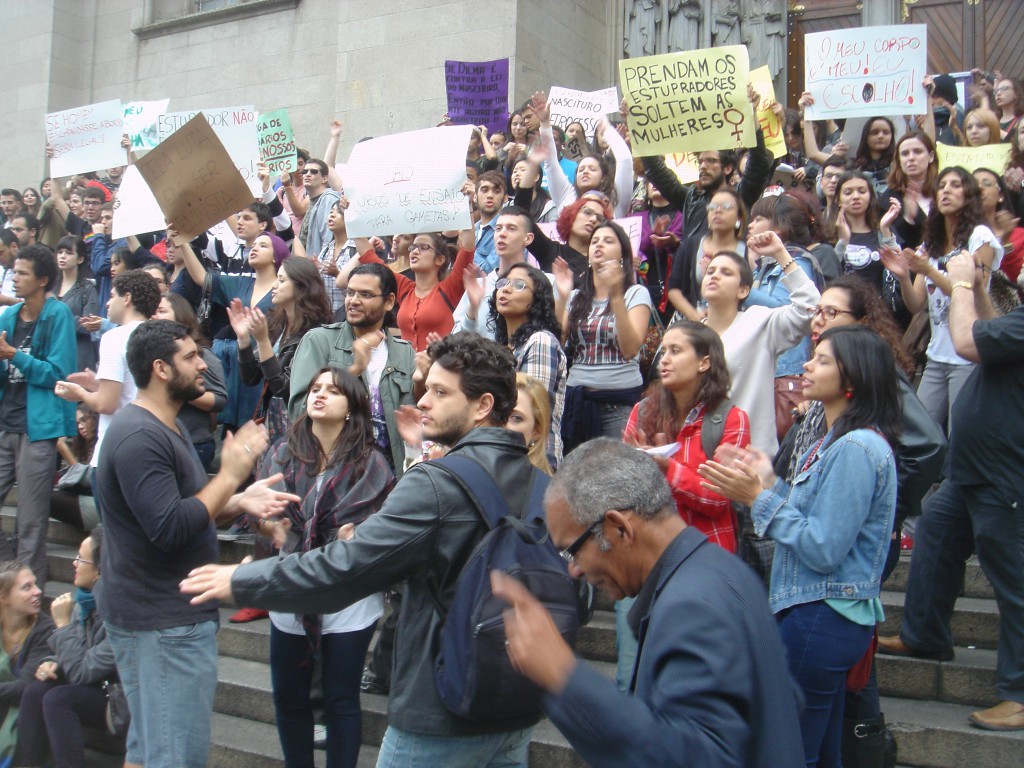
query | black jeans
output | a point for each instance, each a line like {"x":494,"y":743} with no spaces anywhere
{"x":291,"y":671}
{"x":56,"y":713}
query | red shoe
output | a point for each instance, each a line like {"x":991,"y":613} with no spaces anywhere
{"x":248,"y":614}
{"x":906,"y":542}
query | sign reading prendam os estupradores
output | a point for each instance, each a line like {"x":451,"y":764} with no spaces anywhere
{"x":866,"y":71}
{"x":689,"y":101}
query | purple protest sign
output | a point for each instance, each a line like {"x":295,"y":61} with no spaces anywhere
{"x":477,"y":92}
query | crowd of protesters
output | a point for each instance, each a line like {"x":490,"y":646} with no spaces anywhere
{"x":831,"y":339}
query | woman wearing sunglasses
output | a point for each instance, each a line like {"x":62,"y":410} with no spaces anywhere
{"x":956,"y":223}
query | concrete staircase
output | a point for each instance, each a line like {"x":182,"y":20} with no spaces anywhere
{"x":925,"y":703}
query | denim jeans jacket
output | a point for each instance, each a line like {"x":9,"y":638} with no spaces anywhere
{"x":832,"y":527}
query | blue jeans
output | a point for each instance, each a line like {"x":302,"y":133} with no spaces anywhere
{"x":821,"y":647}
{"x":291,"y":671}
{"x":402,"y":749}
{"x":626,"y":644}
{"x":958,"y":521}
{"x":169,"y":676}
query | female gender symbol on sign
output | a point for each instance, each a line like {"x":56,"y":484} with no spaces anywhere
{"x":734,"y":117}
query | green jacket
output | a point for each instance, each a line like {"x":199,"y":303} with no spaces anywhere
{"x":332,"y":345}
{"x":54,"y":357}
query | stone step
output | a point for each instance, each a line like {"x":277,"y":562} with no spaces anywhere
{"x":968,"y":679}
{"x":975,"y":583}
{"x":937,"y":735}
{"x":975,"y":620}
{"x":238,"y":742}
{"x":56,"y":533}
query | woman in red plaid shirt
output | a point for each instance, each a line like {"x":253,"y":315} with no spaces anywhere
{"x":693,"y":381}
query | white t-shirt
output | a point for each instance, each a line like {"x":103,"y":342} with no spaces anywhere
{"x":940,"y":348}
{"x":113,"y":366}
{"x":357,"y":616}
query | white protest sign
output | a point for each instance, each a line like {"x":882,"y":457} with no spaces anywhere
{"x":587,"y":107}
{"x":867,"y":71}
{"x":85,"y":139}
{"x":632,"y":224}
{"x":136,"y":209}
{"x":236,"y":129}
{"x":408,"y":182}
{"x":140,"y":121}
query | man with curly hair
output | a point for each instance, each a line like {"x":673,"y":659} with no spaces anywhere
{"x":423,"y":536}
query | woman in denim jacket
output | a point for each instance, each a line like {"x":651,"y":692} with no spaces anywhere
{"x":831,"y":528}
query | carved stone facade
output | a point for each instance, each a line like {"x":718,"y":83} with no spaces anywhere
{"x":664,"y":26}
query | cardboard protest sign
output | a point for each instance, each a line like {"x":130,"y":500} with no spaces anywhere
{"x":994,"y":157}
{"x":632,"y":224}
{"x":86,"y":138}
{"x":689,"y":101}
{"x":477,"y":92}
{"x":236,"y":129}
{"x":135,"y":209}
{"x":194,"y":179}
{"x":867,"y":71}
{"x":568,"y":105}
{"x":408,"y":183}
{"x":277,"y":142}
{"x":761,"y":81}
{"x":140,"y":122}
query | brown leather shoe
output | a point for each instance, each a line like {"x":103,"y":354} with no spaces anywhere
{"x":1004,"y":716}
{"x":893,"y":645}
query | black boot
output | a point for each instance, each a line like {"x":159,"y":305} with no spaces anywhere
{"x":865,"y":744}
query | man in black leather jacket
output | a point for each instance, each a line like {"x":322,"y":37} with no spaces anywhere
{"x":423,"y":535}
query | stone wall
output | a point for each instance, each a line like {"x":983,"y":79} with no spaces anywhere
{"x":379,"y":66}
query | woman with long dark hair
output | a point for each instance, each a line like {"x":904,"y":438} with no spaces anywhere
{"x":996,"y":207}
{"x":300,"y":304}
{"x":535,"y":198}
{"x":912,"y":182}
{"x":660,"y":235}
{"x":693,"y":382}
{"x":522,"y":316}
{"x":955,"y":223}
{"x":329,"y":460}
{"x":78,"y":293}
{"x":604,"y":323}
{"x":831,"y":528}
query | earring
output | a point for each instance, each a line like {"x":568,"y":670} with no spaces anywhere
{"x":348,"y":416}
{"x":738,"y":225}
{"x":531,"y":444}
{"x":849,"y":394}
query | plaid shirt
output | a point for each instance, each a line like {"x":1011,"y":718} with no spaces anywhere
{"x":708,"y":512}
{"x":326,"y":256}
{"x":542,"y":358}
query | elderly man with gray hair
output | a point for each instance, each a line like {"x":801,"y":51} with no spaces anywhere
{"x":711,"y":685}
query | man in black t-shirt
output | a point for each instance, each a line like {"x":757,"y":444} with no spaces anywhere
{"x":978,"y":508}
{"x":159,"y":515}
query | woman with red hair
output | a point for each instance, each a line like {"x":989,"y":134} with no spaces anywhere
{"x":575,"y":224}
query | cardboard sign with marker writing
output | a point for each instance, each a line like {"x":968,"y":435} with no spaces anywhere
{"x":194,"y":179}
{"x":689,"y":101}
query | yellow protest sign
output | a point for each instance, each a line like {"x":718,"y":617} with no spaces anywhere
{"x":761,"y":81}
{"x":995,"y":157}
{"x":689,"y":101}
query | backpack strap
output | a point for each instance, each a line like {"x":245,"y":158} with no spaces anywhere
{"x":713,"y":427}
{"x":479,"y":485}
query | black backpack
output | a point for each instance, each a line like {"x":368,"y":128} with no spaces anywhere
{"x":472,"y":672}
